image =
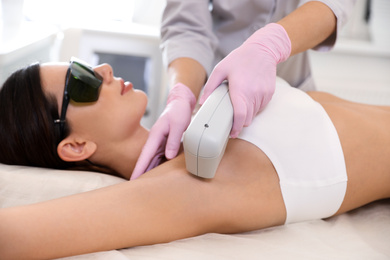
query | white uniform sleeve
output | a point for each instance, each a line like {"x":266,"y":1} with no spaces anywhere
{"x":342,"y":9}
{"x":186,"y":31}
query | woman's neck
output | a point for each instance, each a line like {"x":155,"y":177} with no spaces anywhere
{"x":122,"y":157}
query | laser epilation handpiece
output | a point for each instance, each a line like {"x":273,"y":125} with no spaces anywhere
{"x":206,"y":137}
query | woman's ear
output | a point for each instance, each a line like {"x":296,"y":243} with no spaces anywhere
{"x":72,"y":150}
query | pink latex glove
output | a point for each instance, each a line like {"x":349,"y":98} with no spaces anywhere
{"x":168,"y":130}
{"x":251,"y":72}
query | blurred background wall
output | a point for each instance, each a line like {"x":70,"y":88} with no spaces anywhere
{"x":126,"y":33}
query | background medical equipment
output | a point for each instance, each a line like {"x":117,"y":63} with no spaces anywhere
{"x":206,"y":137}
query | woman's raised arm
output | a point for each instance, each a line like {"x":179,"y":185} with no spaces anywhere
{"x":165,"y":204}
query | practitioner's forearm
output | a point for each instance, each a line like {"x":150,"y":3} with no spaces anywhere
{"x":309,"y":25}
{"x":188,"y":72}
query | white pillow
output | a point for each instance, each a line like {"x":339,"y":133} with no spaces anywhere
{"x":20,"y":185}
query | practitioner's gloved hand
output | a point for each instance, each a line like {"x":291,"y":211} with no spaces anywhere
{"x":168,"y":130}
{"x":251,"y":72}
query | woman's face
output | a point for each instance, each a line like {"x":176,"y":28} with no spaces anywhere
{"x":114,"y":116}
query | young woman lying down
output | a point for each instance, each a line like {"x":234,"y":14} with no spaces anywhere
{"x":306,"y":156}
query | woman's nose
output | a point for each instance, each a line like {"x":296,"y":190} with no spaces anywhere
{"x":105,"y":70}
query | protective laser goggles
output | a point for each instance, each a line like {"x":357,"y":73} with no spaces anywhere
{"x":82,"y":85}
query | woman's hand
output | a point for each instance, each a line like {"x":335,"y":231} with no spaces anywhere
{"x":251,"y":72}
{"x":168,"y":129}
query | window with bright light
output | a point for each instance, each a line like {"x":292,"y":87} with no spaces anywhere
{"x":74,"y":12}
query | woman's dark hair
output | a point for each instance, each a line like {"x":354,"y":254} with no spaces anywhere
{"x":28,"y":134}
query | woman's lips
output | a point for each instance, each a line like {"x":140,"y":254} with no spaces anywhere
{"x":126,"y":86}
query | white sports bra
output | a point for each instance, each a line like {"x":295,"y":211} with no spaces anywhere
{"x":297,"y":135}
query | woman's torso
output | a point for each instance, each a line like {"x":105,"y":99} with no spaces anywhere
{"x":364,"y":133}
{"x":246,"y":176}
